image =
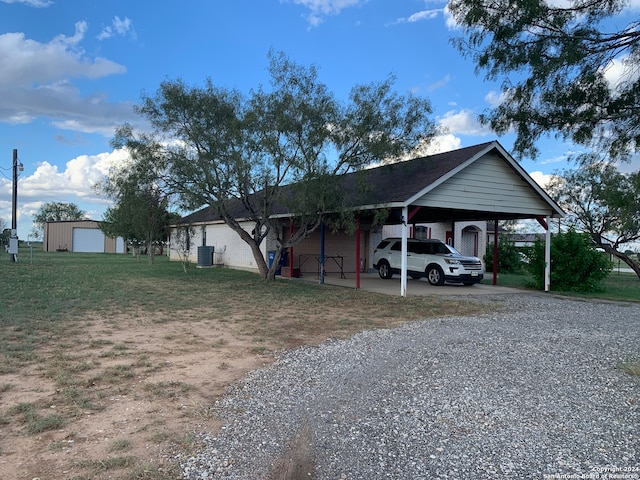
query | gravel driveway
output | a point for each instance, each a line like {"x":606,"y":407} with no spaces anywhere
{"x":533,"y":390}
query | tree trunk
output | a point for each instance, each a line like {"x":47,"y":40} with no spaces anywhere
{"x":150,"y":253}
{"x":263,"y":268}
{"x":629,"y":261}
{"x":271,"y":274}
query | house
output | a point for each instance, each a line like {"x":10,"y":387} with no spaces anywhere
{"x":519,"y":240}
{"x":451,"y":194}
{"x":79,"y":236}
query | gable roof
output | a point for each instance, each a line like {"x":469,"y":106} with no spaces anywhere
{"x":479,"y":182}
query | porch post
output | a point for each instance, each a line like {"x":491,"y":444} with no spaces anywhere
{"x":495,"y":253}
{"x":322,"y":253}
{"x":547,"y":256}
{"x":358,"y":261}
{"x":290,"y":248}
{"x":403,"y":268}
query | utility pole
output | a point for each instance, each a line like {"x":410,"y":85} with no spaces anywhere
{"x":13,"y":240}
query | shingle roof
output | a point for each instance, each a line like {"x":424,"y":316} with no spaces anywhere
{"x":385,"y":185}
{"x":397,"y":182}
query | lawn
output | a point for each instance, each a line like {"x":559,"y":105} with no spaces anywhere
{"x":108,"y":363}
{"x":617,"y":286}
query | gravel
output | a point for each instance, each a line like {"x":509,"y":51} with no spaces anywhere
{"x":533,"y":390}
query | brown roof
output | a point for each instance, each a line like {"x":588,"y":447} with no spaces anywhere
{"x":387,"y":184}
{"x":398,"y":182}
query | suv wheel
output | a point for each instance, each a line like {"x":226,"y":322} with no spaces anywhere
{"x":384,"y":270}
{"x":435,"y":275}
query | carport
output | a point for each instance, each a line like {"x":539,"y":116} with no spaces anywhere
{"x":478,"y":183}
{"x":482,"y":182}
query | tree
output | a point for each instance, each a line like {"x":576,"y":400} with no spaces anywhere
{"x":243,"y":155}
{"x":603,"y":202}
{"x":576,"y":264}
{"x":55,"y":212}
{"x":554,"y":58}
{"x":181,"y":242}
{"x":140,"y":214}
{"x":5,"y":232}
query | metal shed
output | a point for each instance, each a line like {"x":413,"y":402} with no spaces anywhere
{"x":79,"y":236}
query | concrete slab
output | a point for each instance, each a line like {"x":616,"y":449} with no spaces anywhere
{"x":373,"y":283}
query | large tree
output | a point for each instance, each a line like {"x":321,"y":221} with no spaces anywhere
{"x":603,"y":202}
{"x":556,"y":61}
{"x":280,"y":145}
{"x":5,"y":233}
{"x":140,"y":211}
{"x":55,"y":212}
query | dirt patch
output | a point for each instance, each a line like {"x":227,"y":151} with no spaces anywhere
{"x":127,"y":392}
{"x":297,"y":462}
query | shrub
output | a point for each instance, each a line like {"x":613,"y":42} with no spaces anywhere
{"x":576,"y":266}
{"x":509,"y":259}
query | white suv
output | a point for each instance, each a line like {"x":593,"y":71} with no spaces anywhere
{"x":433,"y":259}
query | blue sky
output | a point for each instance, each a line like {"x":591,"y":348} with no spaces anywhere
{"x":71,"y":70}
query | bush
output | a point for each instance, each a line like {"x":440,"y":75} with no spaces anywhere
{"x":509,"y":259}
{"x":576,"y":266}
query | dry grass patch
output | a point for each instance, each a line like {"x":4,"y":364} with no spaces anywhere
{"x":128,"y":371}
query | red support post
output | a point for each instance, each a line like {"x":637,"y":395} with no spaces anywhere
{"x":495,"y":254}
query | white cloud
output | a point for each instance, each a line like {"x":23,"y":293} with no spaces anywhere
{"x":440,"y":83}
{"x":449,"y":19}
{"x":75,"y":184}
{"x":37,"y":82}
{"x":442,"y":143}
{"x":119,"y":27}
{"x":27,"y":62}
{"x":620,"y":71}
{"x":495,"y":99}
{"x":78,"y":179}
{"x":420,"y":16}
{"x":31,"y":3}
{"x":328,"y":7}
{"x":321,"y":8}
{"x":463,"y":122}
{"x":540,"y":178}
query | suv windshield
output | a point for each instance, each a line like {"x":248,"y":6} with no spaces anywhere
{"x":449,"y":249}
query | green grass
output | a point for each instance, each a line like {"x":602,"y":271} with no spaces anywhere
{"x":617,"y":286}
{"x":35,"y":422}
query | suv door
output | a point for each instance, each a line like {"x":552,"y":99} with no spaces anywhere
{"x":395,"y":255}
{"x":415,"y":257}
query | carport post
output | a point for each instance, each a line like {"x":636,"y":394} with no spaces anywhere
{"x":358,"y":253}
{"x":403,"y":267}
{"x":547,"y":256}
{"x":495,"y":254}
{"x":290,"y":248}
{"x":322,"y":253}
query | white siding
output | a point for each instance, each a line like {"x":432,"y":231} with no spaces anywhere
{"x":490,"y":185}
{"x":229,"y":249}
